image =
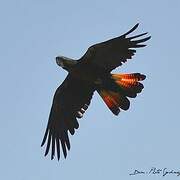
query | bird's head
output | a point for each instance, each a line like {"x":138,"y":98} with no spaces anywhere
{"x":65,"y":63}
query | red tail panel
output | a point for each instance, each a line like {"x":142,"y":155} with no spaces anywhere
{"x":110,"y":100}
{"x":129,"y":87}
{"x":130,"y":82}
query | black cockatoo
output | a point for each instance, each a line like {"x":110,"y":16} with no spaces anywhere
{"x":92,"y":72}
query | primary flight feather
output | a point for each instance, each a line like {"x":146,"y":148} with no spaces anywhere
{"x":92,"y":72}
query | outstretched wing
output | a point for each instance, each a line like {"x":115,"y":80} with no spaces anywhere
{"x":112,"y":53}
{"x":70,"y":101}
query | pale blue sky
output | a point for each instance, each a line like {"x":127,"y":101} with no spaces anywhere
{"x":32,"y":33}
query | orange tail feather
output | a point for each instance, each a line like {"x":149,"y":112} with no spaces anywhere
{"x":114,"y":101}
{"x":130,"y":82}
{"x":126,"y":85}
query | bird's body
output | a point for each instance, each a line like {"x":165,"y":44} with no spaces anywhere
{"x":92,"y":73}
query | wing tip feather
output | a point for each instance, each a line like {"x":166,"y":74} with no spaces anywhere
{"x":132,"y":29}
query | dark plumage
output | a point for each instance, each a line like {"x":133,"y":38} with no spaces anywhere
{"x":92,"y":72}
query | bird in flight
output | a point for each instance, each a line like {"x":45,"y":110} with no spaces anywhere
{"x":90,"y":73}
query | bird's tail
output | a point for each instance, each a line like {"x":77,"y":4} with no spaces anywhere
{"x":115,"y":92}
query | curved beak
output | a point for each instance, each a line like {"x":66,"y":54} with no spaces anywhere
{"x":59,"y":61}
